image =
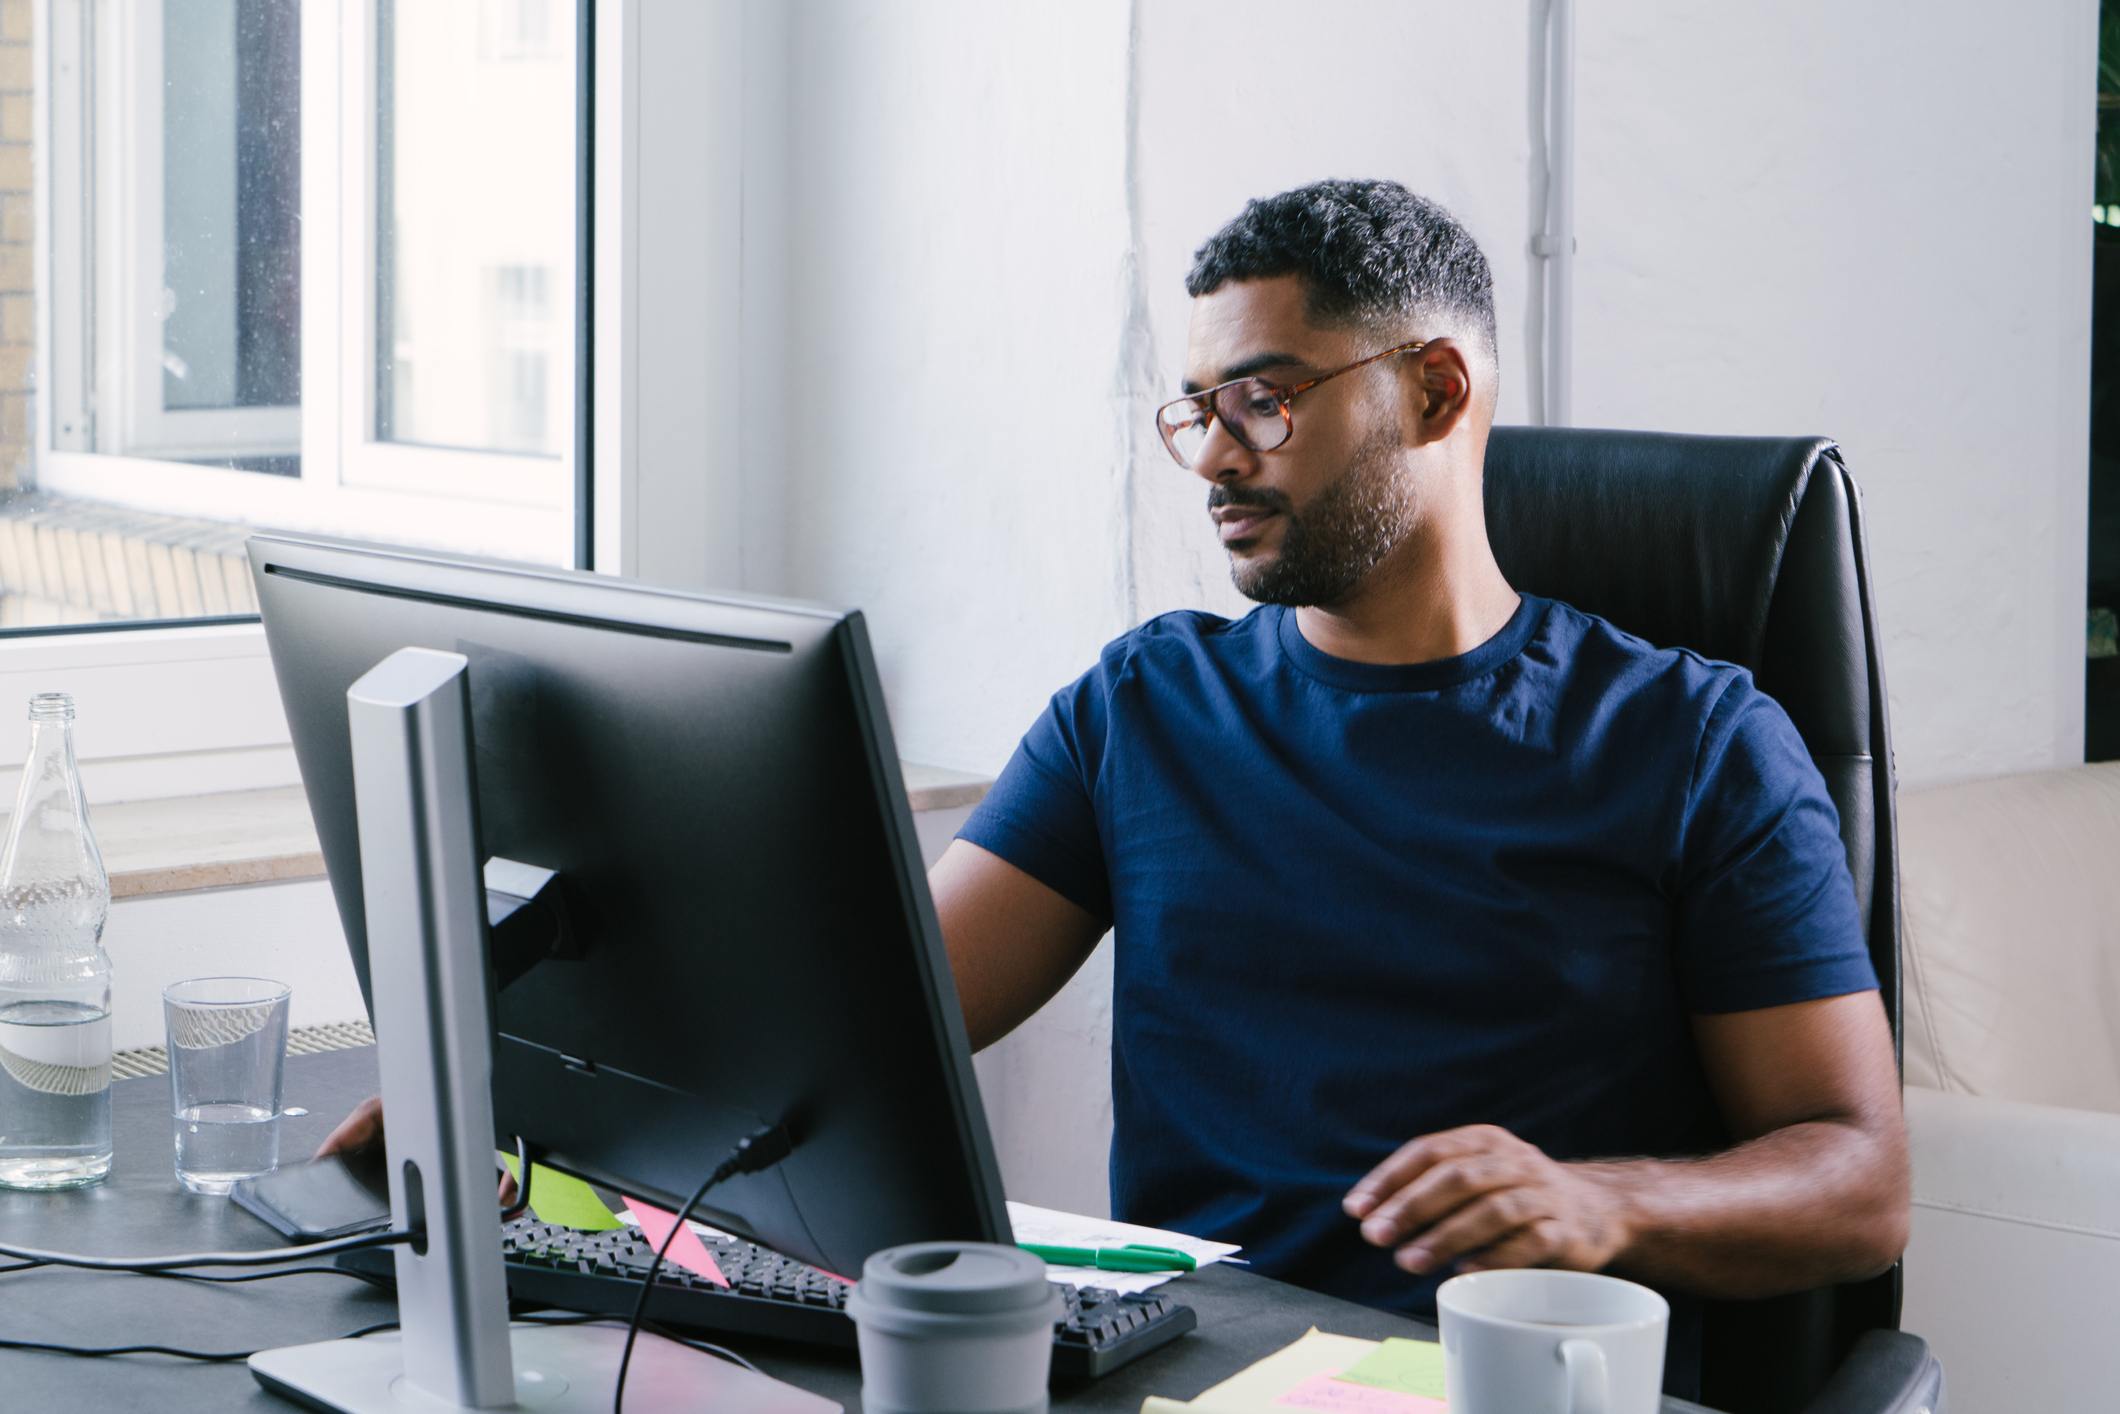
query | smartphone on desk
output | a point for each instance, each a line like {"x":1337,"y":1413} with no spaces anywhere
{"x":337,"y":1196}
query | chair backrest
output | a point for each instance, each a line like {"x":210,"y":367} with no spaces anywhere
{"x":1749,"y":550}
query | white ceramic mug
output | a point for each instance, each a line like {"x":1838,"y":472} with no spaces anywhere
{"x":1531,"y":1341}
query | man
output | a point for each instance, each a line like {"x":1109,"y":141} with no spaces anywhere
{"x":1454,"y":928}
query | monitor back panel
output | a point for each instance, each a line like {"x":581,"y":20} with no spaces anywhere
{"x":715,"y":782}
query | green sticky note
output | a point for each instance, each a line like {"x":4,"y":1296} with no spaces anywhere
{"x":563,"y":1200}
{"x":1407,"y":1366}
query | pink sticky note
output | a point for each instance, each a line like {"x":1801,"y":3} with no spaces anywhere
{"x":1325,"y":1392}
{"x":687,"y":1251}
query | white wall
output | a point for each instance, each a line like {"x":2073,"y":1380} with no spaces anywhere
{"x":1370,"y":96}
{"x":1868,"y":221}
{"x":1862,"y":221}
{"x":289,"y":932}
{"x":1792,"y":219}
{"x":957,"y":428}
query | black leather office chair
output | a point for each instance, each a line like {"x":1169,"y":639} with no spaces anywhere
{"x":1750,"y":550}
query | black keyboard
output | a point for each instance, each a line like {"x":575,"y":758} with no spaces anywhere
{"x":775,"y":1297}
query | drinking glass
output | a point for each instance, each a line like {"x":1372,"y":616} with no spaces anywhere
{"x":227,"y":1056}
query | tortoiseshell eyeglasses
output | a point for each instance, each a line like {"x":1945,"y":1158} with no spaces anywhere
{"x":1253,"y":411}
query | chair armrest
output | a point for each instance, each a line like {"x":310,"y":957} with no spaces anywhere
{"x":2019,"y":1163}
{"x":1888,"y":1372}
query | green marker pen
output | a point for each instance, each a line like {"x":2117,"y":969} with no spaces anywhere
{"x":1133,"y":1257}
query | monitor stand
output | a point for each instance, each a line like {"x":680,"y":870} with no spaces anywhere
{"x":410,"y":722}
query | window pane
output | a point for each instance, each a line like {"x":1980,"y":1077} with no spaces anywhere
{"x":475,"y":219}
{"x":177,"y":319}
{"x":231,"y":204}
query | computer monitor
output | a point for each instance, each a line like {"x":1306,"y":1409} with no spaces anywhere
{"x":751,"y":939}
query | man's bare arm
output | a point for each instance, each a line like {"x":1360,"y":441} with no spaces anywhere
{"x":1815,"y":1191}
{"x":1012,"y":941}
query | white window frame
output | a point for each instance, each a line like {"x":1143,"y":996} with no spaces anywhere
{"x":502,"y":479}
{"x":194,"y":709}
{"x":350,"y":483}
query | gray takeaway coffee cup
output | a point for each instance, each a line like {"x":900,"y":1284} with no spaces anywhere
{"x":954,"y":1328}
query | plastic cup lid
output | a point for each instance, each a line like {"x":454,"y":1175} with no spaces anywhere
{"x":955,"y":1278}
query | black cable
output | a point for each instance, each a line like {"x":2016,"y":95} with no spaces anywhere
{"x":369,"y":1277}
{"x":98,"y":1351}
{"x":266,"y":1258}
{"x":754,"y":1151}
{"x":210,"y":1357}
{"x":226,"y":1357}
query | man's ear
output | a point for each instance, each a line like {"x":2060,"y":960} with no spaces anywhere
{"x":1438,"y":390}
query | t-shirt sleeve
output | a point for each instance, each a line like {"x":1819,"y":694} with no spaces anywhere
{"x":1766,"y":910}
{"x":1041,"y":814}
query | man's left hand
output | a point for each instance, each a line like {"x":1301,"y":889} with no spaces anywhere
{"x":1482,"y":1191}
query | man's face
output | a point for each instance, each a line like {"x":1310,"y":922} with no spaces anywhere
{"x":1307,"y":522}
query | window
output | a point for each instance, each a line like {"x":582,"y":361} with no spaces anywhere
{"x":106,"y":520}
{"x":310,"y":266}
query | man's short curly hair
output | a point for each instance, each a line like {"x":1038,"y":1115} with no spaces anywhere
{"x":1367,"y":252}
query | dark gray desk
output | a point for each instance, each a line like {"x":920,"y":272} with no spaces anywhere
{"x":141,"y":1211}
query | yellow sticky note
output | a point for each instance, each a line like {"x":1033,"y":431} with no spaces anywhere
{"x":564,"y":1200}
{"x":1408,"y":1366}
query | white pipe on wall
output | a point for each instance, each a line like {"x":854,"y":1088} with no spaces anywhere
{"x":1557,"y":244}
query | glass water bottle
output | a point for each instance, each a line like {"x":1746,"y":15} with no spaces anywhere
{"x":54,"y":975}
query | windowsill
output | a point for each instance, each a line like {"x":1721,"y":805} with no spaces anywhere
{"x":158,"y":847}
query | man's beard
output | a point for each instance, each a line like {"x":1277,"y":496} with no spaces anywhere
{"x":1345,"y":532}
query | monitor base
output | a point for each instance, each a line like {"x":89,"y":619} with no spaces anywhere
{"x":558,"y":1370}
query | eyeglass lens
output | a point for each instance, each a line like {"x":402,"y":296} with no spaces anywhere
{"x":1249,"y":409}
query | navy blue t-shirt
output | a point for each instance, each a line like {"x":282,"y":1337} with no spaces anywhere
{"x":1356,"y":903}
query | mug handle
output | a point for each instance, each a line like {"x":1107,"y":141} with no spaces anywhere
{"x":1585,"y":1360}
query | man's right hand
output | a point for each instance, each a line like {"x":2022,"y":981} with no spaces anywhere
{"x":357,"y":1131}
{"x":364,"y":1127}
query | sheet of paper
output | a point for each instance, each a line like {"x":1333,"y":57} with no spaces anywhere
{"x":1259,"y":1389}
{"x":1044,"y":1225}
{"x":687,"y":1251}
{"x":563,"y":1200}
{"x":1408,"y":1366}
